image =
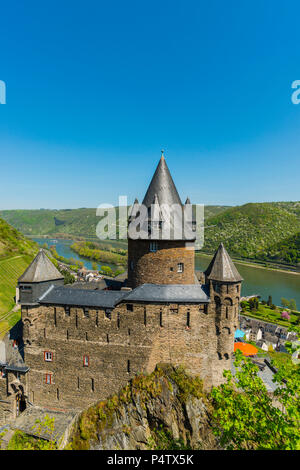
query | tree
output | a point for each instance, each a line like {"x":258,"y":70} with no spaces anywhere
{"x":293,"y":305}
{"x":94,"y":266}
{"x":284,"y":302}
{"x":68,"y":277}
{"x":270,"y":302}
{"x":245,"y":416}
{"x":106,"y":270}
{"x":285,"y":315}
{"x":253,"y":303}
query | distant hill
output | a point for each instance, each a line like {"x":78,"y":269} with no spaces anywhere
{"x":74,"y":222}
{"x":257,"y":231}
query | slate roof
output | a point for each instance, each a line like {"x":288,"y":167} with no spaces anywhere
{"x":41,"y":269}
{"x":164,"y":207}
{"x":102,"y":284}
{"x":63,"y":295}
{"x":221,"y":267}
{"x":169,"y":293}
{"x":162,"y":186}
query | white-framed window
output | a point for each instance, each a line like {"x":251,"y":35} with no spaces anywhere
{"x":153,"y":246}
{"x":48,"y":356}
{"x":180,"y":267}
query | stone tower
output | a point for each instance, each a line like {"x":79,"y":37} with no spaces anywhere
{"x":224,"y":283}
{"x":163,"y":251}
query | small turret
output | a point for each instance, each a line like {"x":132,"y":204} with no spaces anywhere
{"x":37,"y":279}
{"x":224,"y":283}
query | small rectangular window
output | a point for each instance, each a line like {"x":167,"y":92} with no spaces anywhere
{"x":188,"y":319}
{"x":86,"y":361}
{"x":67,"y":311}
{"x":108,"y":314}
{"x":48,"y":379}
{"x":180,"y":267}
{"x":153,"y":246}
{"x":48,"y":356}
{"x":86,"y":313}
{"x":129,"y":307}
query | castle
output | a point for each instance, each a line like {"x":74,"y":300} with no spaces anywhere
{"x":81,"y":344}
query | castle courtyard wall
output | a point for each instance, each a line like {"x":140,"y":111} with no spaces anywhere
{"x":151,"y":333}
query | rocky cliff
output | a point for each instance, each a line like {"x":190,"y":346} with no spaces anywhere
{"x":164,"y":410}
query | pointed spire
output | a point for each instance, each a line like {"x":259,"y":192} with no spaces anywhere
{"x":41,"y":269}
{"x":187,"y":201}
{"x":163,"y":186}
{"x":221,"y":267}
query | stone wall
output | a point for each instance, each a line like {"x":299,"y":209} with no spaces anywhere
{"x":160,"y":267}
{"x":119,"y":343}
{"x":12,"y":384}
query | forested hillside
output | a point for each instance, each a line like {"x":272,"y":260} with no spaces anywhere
{"x":257,"y":231}
{"x":73,"y":222}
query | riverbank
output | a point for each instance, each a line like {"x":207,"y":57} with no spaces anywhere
{"x":254,"y":265}
{"x":90,"y":251}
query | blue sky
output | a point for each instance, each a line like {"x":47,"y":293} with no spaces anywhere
{"x":95,"y":89}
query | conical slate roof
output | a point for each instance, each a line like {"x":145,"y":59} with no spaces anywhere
{"x":222,"y":268}
{"x":41,"y":269}
{"x":162,"y":186}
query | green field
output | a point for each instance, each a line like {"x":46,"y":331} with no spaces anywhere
{"x":267,"y":314}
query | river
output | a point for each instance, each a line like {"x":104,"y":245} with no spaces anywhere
{"x":256,"y":280}
{"x":63,"y":249}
